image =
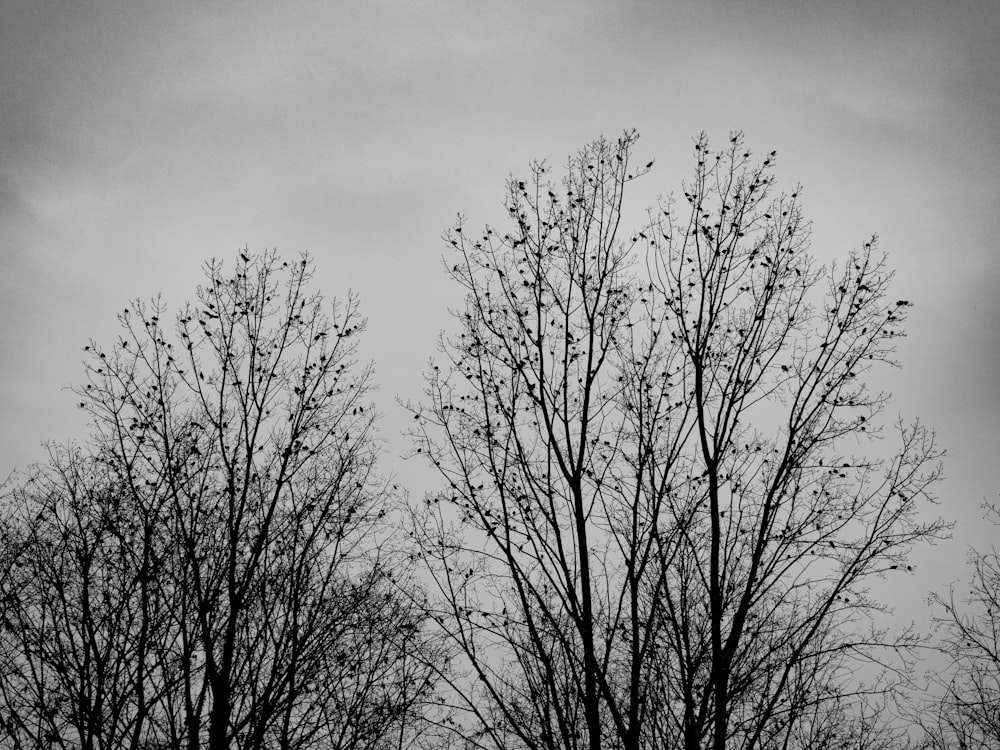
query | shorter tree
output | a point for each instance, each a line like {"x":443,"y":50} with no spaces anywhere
{"x":966,"y":715}
{"x":82,"y":623}
{"x":213,"y":569}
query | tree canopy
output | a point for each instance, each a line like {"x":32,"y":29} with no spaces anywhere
{"x":664,"y":498}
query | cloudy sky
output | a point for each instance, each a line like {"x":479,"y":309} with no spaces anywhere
{"x":139,"y":139}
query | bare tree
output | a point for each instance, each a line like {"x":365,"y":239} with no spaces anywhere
{"x":966,"y":713}
{"x":81,"y":613}
{"x":223,"y":543}
{"x":654,"y":531}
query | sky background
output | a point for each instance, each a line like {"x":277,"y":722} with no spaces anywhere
{"x":139,"y":139}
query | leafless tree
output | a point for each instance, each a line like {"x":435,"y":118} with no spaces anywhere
{"x":79,"y":655}
{"x":662,"y":502}
{"x":966,"y":712}
{"x":213,"y":570}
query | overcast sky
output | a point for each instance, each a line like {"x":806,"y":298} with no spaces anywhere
{"x":139,"y":139}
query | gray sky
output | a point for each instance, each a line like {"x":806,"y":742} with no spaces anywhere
{"x":139,"y":139}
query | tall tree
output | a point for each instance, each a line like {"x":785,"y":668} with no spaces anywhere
{"x":222,"y":540}
{"x":654,"y":530}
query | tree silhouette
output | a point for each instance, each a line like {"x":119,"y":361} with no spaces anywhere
{"x":662,"y":500}
{"x":966,"y":714}
{"x":212,"y":569}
